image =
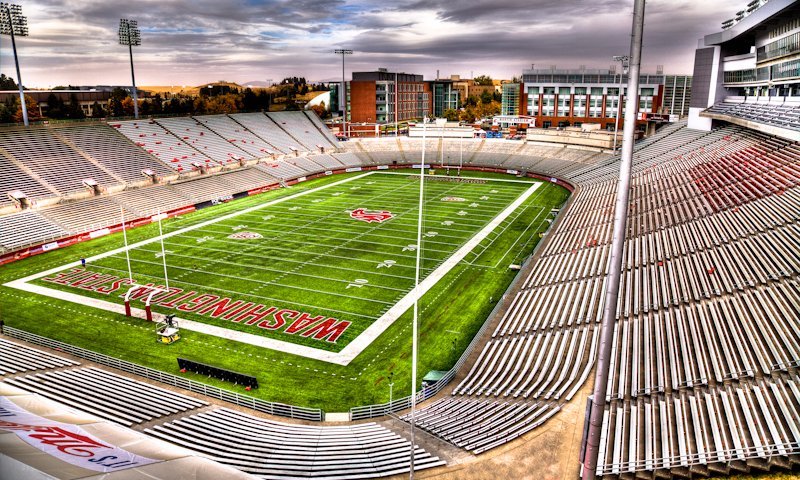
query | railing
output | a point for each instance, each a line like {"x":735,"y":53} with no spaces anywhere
{"x":272,"y":408}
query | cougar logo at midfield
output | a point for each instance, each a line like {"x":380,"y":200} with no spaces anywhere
{"x":369,"y":217}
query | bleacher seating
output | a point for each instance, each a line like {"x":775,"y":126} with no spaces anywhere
{"x":16,"y":358}
{"x":52,"y":160}
{"x":779,"y":111}
{"x":27,"y":228}
{"x":151,"y":200}
{"x":275,"y":450}
{"x":165,"y":146}
{"x":115,"y":152}
{"x":708,"y":288}
{"x":205,"y":141}
{"x":14,"y":178}
{"x":237,"y":135}
{"x":706,"y":346}
{"x":266,"y":129}
{"x":326,"y":132}
{"x":106,"y":395}
{"x":301,"y":128}
{"x":87,"y":215}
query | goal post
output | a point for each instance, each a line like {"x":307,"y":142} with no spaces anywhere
{"x":152,"y":292}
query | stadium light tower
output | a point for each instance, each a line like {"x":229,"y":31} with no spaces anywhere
{"x":130,"y":35}
{"x":13,"y":23}
{"x":623,"y":60}
{"x":343,"y":94}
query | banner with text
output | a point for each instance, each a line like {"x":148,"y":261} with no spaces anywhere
{"x":65,"y":441}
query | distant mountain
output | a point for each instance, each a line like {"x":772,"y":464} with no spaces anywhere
{"x":255,"y":83}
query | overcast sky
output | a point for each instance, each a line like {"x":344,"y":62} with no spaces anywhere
{"x":190,"y":42}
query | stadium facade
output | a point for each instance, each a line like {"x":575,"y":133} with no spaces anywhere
{"x":749,"y":71}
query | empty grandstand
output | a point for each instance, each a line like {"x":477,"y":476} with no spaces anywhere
{"x":704,"y":352}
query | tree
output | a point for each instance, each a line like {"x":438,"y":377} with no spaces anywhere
{"x":115,"y":108}
{"x":249,"y":100}
{"x":98,"y":111}
{"x":73,"y":109}
{"x":55,"y":107}
{"x":222,"y":104}
{"x":33,"y":110}
{"x":320,"y":110}
{"x":7,"y":83}
{"x":127,"y":106}
{"x":8,"y":109}
{"x":486,"y":97}
{"x":451,"y":115}
{"x":483,"y":80}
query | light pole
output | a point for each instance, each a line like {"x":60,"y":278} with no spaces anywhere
{"x":13,"y":23}
{"x":597,"y":405}
{"x":343,"y":93}
{"x":130,"y":35}
{"x":623,"y":60}
{"x":415,"y":320}
{"x":396,"y":110}
{"x":391,"y":387}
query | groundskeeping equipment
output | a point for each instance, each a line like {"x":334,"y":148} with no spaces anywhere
{"x":167,"y":330}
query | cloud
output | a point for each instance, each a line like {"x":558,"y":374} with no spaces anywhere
{"x":194,"y":41}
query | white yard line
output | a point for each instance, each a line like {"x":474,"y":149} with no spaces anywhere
{"x":347,"y":354}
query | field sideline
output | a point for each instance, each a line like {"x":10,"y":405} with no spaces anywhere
{"x":311,"y":265}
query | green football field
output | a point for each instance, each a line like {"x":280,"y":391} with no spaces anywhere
{"x":314,"y":278}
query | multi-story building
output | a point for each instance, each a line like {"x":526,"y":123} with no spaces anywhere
{"x":754,"y":58}
{"x":374,"y":99}
{"x":371,"y":97}
{"x":562,"y":98}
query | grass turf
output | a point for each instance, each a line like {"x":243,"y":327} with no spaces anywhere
{"x":300,"y":262}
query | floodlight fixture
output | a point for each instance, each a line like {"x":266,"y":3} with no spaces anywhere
{"x":130,"y":35}
{"x":13,"y":23}
{"x":342,"y":93}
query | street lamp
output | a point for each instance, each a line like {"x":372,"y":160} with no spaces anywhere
{"x":343,"y":94}
{"x":623,"y":60}
{"x":13,"y":23}
{"x":130,"y":35}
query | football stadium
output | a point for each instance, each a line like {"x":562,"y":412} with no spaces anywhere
{"x":265,"y":294}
